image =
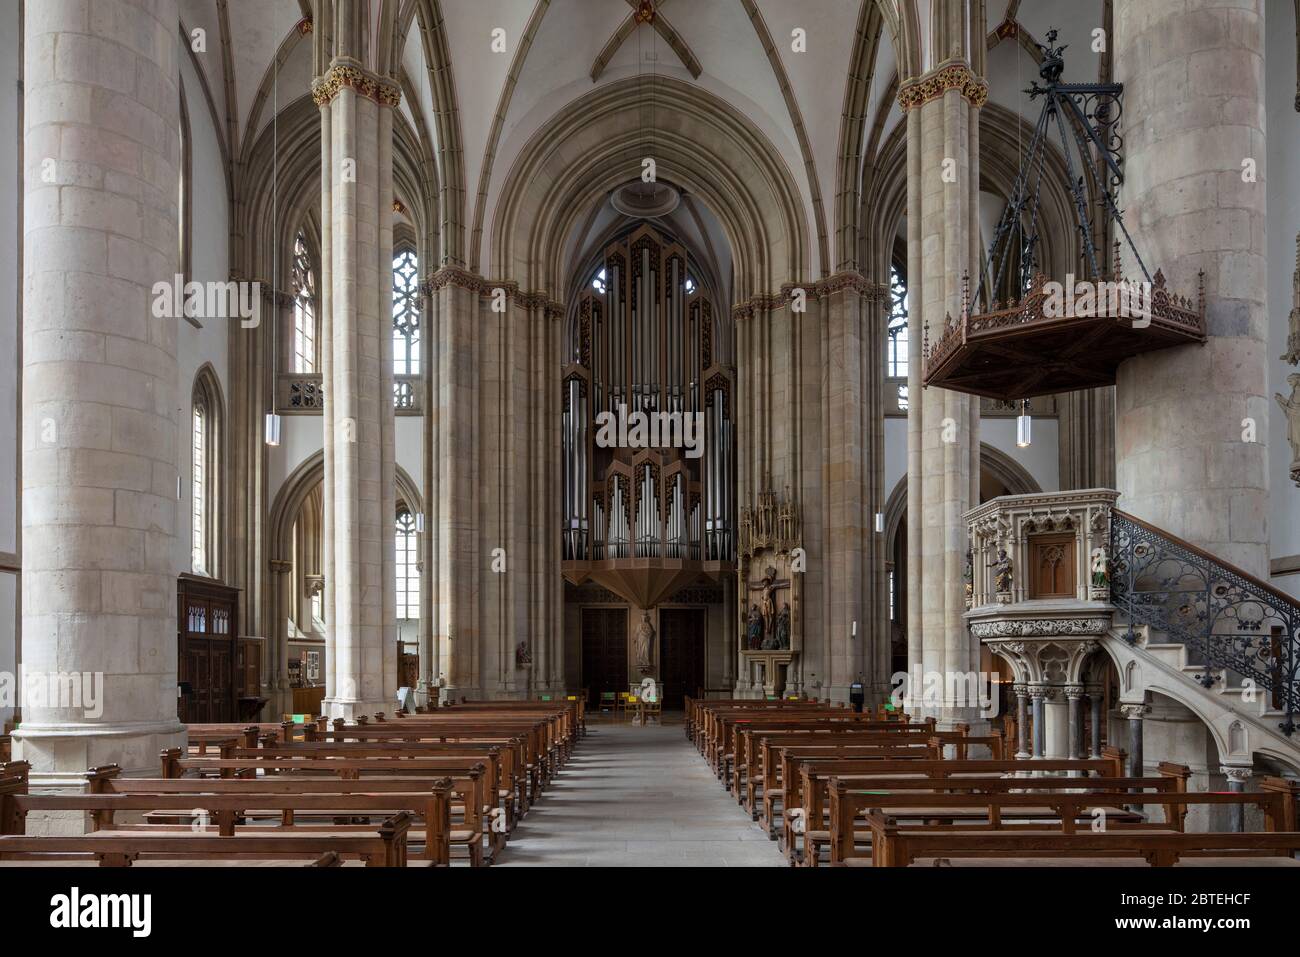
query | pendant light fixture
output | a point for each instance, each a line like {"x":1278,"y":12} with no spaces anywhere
{"x":1023,"y":425}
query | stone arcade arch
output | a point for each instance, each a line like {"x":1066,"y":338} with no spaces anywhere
{"x":298,"y":488}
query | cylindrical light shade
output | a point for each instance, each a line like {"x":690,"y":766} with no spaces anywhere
{"x":880,"y":521}
{"x":1023,"y":426}
{"x":272,"y":429}
{"x":419,"y":521}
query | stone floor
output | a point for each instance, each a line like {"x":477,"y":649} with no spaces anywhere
{"x":636,"y":796}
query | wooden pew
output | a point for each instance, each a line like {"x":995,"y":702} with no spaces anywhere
{"x":895,"y":845}
{"x":383,"y":847}
{"x":362,"y":772}
{"x":809,"y":818}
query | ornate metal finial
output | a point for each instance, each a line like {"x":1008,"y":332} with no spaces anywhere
{"x":965,"y":294}
{"x":1116,"y":274}
{"x":1053,"y":64}
{"x":925,"y":340}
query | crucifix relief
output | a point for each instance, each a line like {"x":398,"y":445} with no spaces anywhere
{"x":768,"y":625}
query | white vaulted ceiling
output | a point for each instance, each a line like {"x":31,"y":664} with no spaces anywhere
{"x":779,"y":93}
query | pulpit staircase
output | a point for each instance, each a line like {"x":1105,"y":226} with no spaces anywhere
{"x":1224,"y":639}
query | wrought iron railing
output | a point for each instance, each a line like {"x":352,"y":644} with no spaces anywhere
{"x":1226,"y":617}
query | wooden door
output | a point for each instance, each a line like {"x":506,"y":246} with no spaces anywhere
{"x":206,"y":665}
{"x":604,"y":651}
{"x":681,"y":654}
{"x":1051,"y":559}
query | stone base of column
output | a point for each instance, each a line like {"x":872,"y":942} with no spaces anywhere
{"x":350,"y":708}
{"x":60,"y":754}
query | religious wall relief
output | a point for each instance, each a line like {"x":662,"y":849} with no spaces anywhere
{"x":770,"y":583}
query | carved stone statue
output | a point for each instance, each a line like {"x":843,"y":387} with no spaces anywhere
{"x":1099,"y":568}
{"x":1002,"y":572}
{"x":968,"y":578}
{"x":754,"y":629}
{"x":1292,"y":408}
{"x":1292,"y":355}
{"x":645,"y":637}
{"x":782,"y":637}
{"x":523,"y":655}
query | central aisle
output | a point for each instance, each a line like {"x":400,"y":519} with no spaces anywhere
{"x":635,"y":797}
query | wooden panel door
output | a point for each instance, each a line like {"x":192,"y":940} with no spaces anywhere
{"x":681,"y":654}
{"x":604,"y":651}
{"x":1051,"y":559}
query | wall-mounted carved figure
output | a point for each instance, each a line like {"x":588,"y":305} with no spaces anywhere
{"x":645,"y":636}
{"x":1292,"y":408}
{"x":1002,"y":573}
{"x":754,"y":629}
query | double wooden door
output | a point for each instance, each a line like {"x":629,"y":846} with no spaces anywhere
{"x":604,"y":651}
{"x":206,"y":661}
{"x":681,"y":654}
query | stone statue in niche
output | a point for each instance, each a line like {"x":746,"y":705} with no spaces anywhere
{"x":644,"y":638}
{"x":1099,"y":568}
{"x":968,"y":578}
{"x":523,"y":655}
{"x":781,"y":633}
{"x":754,"y":629}
{"x":1292,"y":355}
{"x":1292,"y":408}
{"x":1002,"y":573}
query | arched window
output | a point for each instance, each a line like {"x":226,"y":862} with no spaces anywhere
{"x":408,"y":572}
{"x":199,"y":488}
{"x":205,"y":480}
{"x":896,"y":346}
{"x":406,"y":314}
{"x":304,"y":308}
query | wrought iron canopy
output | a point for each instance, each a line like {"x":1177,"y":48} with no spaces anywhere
{"x":1050,"y":336}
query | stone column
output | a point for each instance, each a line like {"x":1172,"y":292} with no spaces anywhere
{"x":1095,"y":699}
{"x":1038,"y":695}
{"x":100,"y":396}
{"x":1237,"y":776}
{"x":1194,"y":113}
{"x":1134,"y":713}
{"x":849,"y":539}
{"x":1022,"y":722}
{"x":357,"y":188}
{"x":942,"y":426}
{"x":458,"y":565}
{"x":278,"y":639}
{"x":1074,"y":693}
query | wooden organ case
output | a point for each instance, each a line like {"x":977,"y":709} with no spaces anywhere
{"x":645,"y":389}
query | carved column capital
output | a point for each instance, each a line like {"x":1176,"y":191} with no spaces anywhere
{"x":1134,"y":712}
{"x":1074,"y":691}
{"x":1236,"y":773}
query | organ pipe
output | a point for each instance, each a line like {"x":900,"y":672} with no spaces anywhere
{"x":646,"y":345}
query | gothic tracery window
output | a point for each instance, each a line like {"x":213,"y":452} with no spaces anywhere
{"x":896,"y":330}
{"x":406,"y":314}
{"x":205,"y":447}
{"x":408,"y":573}
{"x":304,"y":308}
{"x":198,"y":487}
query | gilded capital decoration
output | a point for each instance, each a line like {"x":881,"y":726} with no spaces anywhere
{"x":382,"y":91}
{"x":955,"y":76}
